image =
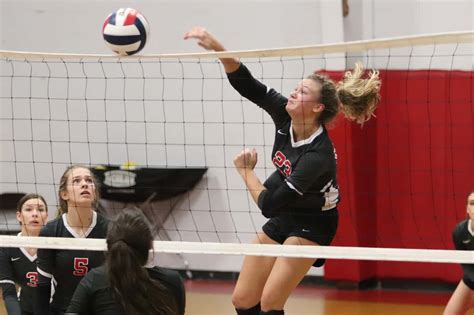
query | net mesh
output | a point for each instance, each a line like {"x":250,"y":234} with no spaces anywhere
{"x":161,"y":132}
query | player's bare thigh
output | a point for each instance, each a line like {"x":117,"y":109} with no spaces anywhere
{"x":253,"y":275}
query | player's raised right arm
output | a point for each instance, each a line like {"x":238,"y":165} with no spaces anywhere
{"x":209,"y":42}
{"x":240,"y":77}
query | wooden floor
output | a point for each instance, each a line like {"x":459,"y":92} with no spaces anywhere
{"x":210,"y":297}
{"x":214,"y":298}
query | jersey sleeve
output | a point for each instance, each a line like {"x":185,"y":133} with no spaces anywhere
{"x":298,"y":188}
{"x":174,"y":284}
{"x":45,"y":261}
{"x":44,"y":266}
{"x":82,"y":296}
{"x":176,"y":287}
{"x":273,"y":201}
{"x":180,"y":295}
{"x":277,"y":196}
{"x":456,"y":235}
{"x":255,"y":91}
{"x":7,"y":283}
{"x":6,"y":272}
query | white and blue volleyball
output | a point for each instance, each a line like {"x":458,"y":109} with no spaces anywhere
{"x":126,"y":31}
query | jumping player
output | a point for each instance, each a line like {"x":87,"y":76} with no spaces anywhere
{"x":300,"y":198}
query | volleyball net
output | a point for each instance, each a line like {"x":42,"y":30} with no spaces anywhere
{"x":160,"y":133}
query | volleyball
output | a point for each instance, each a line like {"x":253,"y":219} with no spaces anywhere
{"x":126,"y":31}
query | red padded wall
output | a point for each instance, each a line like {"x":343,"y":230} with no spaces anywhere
{"x":405,"y":175}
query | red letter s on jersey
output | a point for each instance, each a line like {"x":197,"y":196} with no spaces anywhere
{"x":80,"y":266}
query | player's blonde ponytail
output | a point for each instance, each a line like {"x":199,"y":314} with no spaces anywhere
{"x":359,"y":96}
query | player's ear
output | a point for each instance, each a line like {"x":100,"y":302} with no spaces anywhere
{"x":19,"y":217}
{"x":64,"y":195}
{"x":318,"y":108}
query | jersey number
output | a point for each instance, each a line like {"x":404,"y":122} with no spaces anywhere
{"x":80,"y":266}
{"x":32,"y":279}
{"x":281,"y":162}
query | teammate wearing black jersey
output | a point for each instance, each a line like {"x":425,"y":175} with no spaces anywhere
{"x":124,"y":285}
{"x":76,"y":218}
{"x":463,"y":239}
{"x":18,"y":265}
{"x":301,"y":196}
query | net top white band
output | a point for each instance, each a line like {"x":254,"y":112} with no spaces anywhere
{"x":354,"y":46}
{"x":331,"y":252}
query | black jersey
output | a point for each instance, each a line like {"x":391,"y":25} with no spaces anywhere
{"x":463,"y":239}
{"x":305,"y":179}
{"x":17,"y":266}
{"x":67,"y":267}
{"x":93,"y":294}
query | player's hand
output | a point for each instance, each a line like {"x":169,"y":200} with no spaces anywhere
{"x":247,"y":159}
{"x":204,"y":38}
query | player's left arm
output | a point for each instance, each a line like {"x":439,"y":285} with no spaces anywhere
{"x":245,"y":163}
{"x":457,"y":237}
{"x":44,"y":266}
{"x":7,"y":284}
{"x":270,"y":201}
{"x":309,"y":169}
{"x":273,"y":201}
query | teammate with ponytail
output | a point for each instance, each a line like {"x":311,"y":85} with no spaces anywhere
{"x":124,"y":285}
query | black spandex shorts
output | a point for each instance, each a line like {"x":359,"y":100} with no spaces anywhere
{"x":467,"y":281}
{"x":319,"y":228}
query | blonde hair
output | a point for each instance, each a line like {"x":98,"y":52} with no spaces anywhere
{"x":359,"y":96}
{"x":356,"y":96}
{"x":62,"y":208}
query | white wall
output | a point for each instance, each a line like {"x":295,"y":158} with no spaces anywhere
{"x":74,"y":26}
{"x":372,"y":19}
{"x":213,"y":115}
{"x":369,"y":19}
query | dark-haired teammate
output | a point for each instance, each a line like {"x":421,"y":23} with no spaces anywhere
{"x":301,"y":196}
{"x":77,"y":218}
{"x":463,"y":239}
{"x":18,"y":265}
{"x":124,"y":285}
